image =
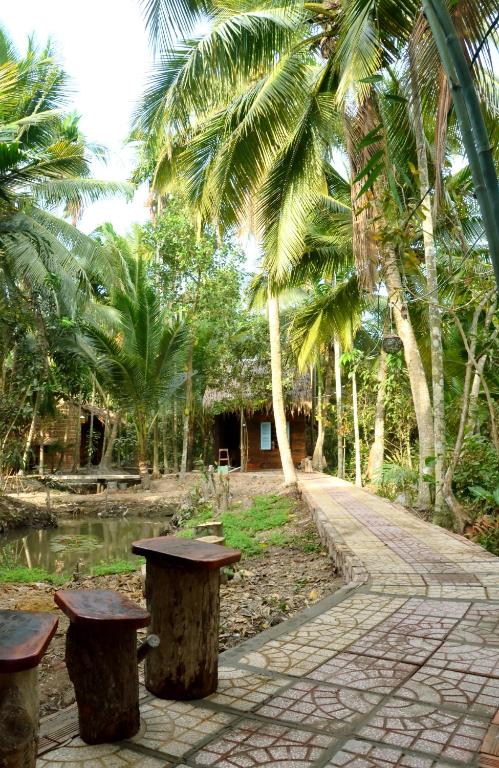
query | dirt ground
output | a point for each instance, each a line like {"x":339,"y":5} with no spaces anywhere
{"x":165,"y":493}
{"x":266,"y":589}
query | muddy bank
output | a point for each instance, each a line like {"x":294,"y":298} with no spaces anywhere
{"x":17,"y":513}
{"x":163,"y":499}
{"x":266,"y":590}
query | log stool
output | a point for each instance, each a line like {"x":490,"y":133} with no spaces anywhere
{"x":101,"y":657}
{"x":182,"y":592}
{"x":24,"y":638}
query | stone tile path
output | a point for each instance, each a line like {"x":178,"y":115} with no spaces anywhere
{"x":399,"y":669}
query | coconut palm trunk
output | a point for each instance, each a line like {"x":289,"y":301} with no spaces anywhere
{"x":318,"y":461}
{"x":155,"y":450}
{"x":435,"y":324}
{"x":355,"y":404}
{"x":164,"y":434}
{"x":174,"y":436}
{"x":187,"y":413}
{"x":277,"y":393}
{"x":415,"y":371}
{"x":145,"y":478}
{"x":339,"y":407}
{"x":377,"y":452}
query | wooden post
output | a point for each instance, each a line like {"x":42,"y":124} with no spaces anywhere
{"x":102,"y":665}
{"x":185,"y":666}
{"x":24,"y":638}
{"x":182,"y":593}
{"x":101,"y":658}
{"x":19,"y":705}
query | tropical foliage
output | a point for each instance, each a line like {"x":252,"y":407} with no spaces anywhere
{"x":327,"y":133}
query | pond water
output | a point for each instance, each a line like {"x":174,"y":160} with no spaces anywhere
{"x":80,"y":543}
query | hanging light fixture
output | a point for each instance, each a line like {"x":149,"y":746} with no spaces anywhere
{"x":391,"y":342}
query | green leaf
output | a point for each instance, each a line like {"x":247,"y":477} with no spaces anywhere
{"x":372,"y":79}
{"x":478,"y":492}
{"x":370,"y":138}
{"x":372,"y":178}
{"x":369,"y":166}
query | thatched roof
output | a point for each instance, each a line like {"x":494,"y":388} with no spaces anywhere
{"x":252,"y":390}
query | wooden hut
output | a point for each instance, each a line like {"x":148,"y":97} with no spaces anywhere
{"x":243,"y":422}
{"x":62,"y":442}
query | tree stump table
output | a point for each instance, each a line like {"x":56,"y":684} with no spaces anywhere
{"x":101,"y":657}
{"x":182,"y":593}
{"x":24,"y":638}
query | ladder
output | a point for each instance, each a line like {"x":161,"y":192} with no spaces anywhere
{"x":223,"y":461}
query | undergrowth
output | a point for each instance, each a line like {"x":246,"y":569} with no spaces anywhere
{"x":243,"y":526}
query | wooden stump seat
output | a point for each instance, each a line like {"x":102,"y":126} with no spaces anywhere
{"x":24,"y":638}
{"x":101,"y":657}
{"x":182,"y":593}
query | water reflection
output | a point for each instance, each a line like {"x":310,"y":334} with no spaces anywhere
{"x":76,"y":542}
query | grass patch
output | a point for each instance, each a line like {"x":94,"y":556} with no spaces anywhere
{"x":241,"y":526}
{"x":22,"y":575}
{"x":117,"y":566}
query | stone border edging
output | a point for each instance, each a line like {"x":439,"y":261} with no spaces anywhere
{"x":350,"y":566}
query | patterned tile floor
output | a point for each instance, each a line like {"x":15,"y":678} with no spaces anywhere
{"x":400,"y":669}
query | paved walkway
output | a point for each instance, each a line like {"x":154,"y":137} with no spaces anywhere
{"x":400,"y":668}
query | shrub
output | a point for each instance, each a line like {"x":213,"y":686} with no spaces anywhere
{"x":486,"y":532}
{"x":477,"y":468}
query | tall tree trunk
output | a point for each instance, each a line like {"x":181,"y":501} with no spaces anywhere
{"x":31,"y":433}
{"x":318,"y":455}
{"x":13,"y":370}
{"x":472,"y":422}
{"x":277,"y":393}
{"x":90,"y":446}
{"x":454,"y":505}
{"x":243,"y":437}
{"x":174,"y":436}
{"x":164,"y":433}
{"x":155,"y":450}
{"x":437,"y":355}
{"x":145,"y":478}
{"x":318,"y":458}
{"x":77,"y":445}
{"x":313,"y":412}
{"x":107,"y":456}
{"x":358,"y":469}
{"x":416,"y":373}
{"x":41,"y":455}
{"x":187,"y":412}
{"x":479,"y":373}
{"x":339,"y":407}
{"x":494,"y":433}
{"x":377,"y":452}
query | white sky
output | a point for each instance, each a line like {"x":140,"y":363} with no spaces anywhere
{"x":103,"y":46}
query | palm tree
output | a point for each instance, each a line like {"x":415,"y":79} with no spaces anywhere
{"x":137,"y":359}
{"x":43,"y":167}
{"x":247,"y":116}
{"x":45,"y":263}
